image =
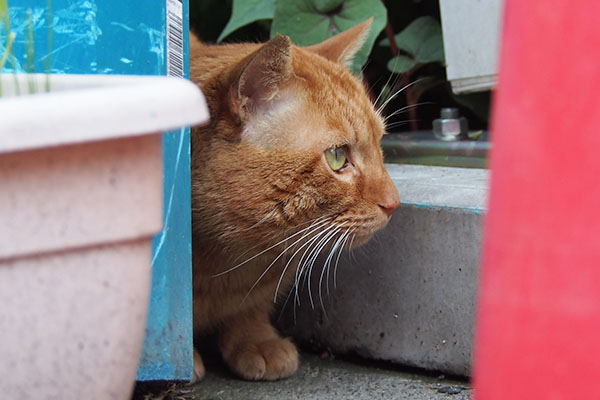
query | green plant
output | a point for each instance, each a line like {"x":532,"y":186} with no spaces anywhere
{"x":309,"y":22}
{"x":418,"y":44}
{"x":10,"y":36}
{"x":411,"y":58}
{"x":7,"y":48}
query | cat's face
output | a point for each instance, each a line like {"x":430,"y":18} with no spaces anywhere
{"x":304,"y":153}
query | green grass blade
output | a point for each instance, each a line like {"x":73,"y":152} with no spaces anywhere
{"x":50,"y":31}
{"x":7,"y":50}
{"x":4,"y":15}
{"x":30,"y":51}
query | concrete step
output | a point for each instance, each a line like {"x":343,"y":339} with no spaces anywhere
{"x":408,"y":296}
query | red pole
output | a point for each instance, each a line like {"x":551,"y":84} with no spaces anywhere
{"x":538,"y":329}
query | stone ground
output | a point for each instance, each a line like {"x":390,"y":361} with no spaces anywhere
{"x":319,"y":377}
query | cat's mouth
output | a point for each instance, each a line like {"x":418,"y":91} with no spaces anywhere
{"x":363,"y":230}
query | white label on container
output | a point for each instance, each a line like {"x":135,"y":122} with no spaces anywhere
{"x":174,"y":38}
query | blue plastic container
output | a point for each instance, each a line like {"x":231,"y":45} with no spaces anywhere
{"x":126,"y":37}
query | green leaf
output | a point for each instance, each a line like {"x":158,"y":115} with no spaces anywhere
{"x":325,"y":6}
{"x":302,"y":21}
{"x":401,"y":64}
{"x":247,"y":11}
{"x":422,"y":39}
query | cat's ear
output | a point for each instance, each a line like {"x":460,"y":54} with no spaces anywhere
{"x":342,"y":47}
{"x":261,"y":76}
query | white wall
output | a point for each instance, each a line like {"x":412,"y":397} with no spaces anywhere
{"x":471,"y":31}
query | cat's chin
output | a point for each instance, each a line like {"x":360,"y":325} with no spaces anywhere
{"x":365,"y":234}
{"x":361,"y":239}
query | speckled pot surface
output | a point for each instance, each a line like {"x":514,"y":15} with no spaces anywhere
{"x":73,"y":322}
{"x":76,"y":224}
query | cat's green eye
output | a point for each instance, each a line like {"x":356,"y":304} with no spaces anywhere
{"x":336,"y":157}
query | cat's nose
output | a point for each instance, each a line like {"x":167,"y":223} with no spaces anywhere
{"x":389,"y":198}
{"x":389,"y":207}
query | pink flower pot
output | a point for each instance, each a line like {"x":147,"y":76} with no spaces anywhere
{"x":80,"y":199}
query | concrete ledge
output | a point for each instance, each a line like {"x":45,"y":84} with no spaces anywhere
{"x":408,"y":296}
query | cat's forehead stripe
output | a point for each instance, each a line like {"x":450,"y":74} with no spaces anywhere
{"x":342,"y":97}
{"x":356,"y":109}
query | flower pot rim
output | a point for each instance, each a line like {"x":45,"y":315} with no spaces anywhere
{"x":82,"y":108}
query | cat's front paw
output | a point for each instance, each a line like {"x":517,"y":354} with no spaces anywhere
{"x":270,"y":360}
{"x":199,"y":370}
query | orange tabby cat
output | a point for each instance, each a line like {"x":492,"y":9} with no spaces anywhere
{"x":292,"y":151}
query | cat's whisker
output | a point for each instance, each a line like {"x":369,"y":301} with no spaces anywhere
{"x":406,"y":108}
{"x":294,"y":288}
{"x":335,"y":232}
{"x":335,"y":247}
{"x":393,"y":96}
{"x":327,"y":264}
{"x":281,"y":254}
{"x":320,"y":221}
{"x":287,"y":298}
{"x":362,"y":69}
{"x":256,"y":246}
{"x":305,"y":267}
{"x":288,"y":264}
{"x":400,"y":123}
{"x":263,"y":219}
{"x":351,"y":250}
{"x":396,"y":78}
{"x":296,"y":284}
{"x":303,"y":262}
{"x":383,"y":89}
{"x":337,"y":261}
{"x":313,"y":257}
{"x":387,"y":85}
{"x":375,"y":83}
{"x":263,"y":242}
{"x":340,"y":249}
